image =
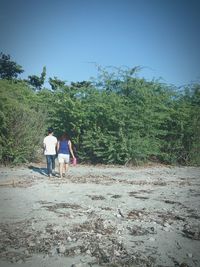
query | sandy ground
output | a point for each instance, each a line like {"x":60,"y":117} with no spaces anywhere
{"x":100,"y":216}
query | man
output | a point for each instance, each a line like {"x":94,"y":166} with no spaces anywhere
{"x":49,"y":144}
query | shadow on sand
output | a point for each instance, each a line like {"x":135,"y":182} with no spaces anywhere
{"x":42,"y":171}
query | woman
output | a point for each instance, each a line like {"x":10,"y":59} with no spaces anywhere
{"x":64,"y":149}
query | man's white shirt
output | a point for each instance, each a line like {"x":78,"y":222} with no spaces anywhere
{"x":50,"y":142}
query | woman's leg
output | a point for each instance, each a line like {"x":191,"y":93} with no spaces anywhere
{"x":66,"y":167}
{"x":61,"y":163}
{"x":61,"y":169}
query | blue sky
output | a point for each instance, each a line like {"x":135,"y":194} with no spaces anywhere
{"x":162,"y":36}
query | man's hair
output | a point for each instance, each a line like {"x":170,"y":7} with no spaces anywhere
{"x":50,"y":130}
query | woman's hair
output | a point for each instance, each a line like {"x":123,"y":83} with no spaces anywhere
{"x":63,"y":137}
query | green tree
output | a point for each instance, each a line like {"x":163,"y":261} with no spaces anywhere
{"x":23,"y":123}
{"x":117,"y":118}
{"x":56,"y":83}
{"x":36,"y":81}
{"x":191,"y":139}
{"x":9,"y":69}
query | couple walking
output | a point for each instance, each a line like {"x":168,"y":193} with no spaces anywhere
{"x":63,"y":147}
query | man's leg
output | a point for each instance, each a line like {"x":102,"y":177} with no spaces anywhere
{"x":53,"y":164}
{"x":48,"y":157}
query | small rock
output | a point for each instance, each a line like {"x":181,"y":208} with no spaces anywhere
{"x":54,"y":251}
{"x":76,"y":265}
{"x":166,"y":229}
{"x":178,"y":245}
{"x":26,"y":252}
{"x":31,"y":244}
{"x":13,"y":259}
{"x":183,"y":264}
{"x":166,"y":224}
{"x":152,"y":230}
{"x":190,"y":255}
{"x":62,"y":249}
{"x":120,"y":213}
{"x":77,"y":251}
{"x":88,"y":252}
{"x":99,"y":235}
{"x":116,"y":253}
{"x":69,"y":239}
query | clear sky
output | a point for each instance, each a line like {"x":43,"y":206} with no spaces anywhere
{"x":162,"y":36}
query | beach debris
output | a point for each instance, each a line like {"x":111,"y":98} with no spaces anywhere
{"x":120,"y":213}
{"x":191,"y":231}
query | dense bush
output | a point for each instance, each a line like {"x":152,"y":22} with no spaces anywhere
{"x":117,"y":118}
{"x":22,"y":123}
{"x":148,"y":121}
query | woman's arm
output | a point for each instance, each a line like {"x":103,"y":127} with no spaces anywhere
{"x":70,"y":149}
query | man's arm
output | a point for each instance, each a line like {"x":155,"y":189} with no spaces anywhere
{"x":57,"y":146}
{"x":44,"y":146}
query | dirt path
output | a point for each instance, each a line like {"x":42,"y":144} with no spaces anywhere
{"x":100,"y":216}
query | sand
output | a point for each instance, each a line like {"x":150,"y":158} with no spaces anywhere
{"x":100,"y":216}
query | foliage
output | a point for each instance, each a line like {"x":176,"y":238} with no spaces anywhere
{"x":116,"y":119}
{"x":22,"y":125}
{"x":36,"y":81}
{"x":8,"y":68}
{"x":131,"y":122}
{"x":191,"y":130}
{"x":56,"y":83}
